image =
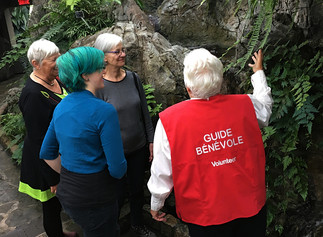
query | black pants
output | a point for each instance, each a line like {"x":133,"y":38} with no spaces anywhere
{"x":52,"y":218}
{"x":97,"y":221}
{"x":254,"y":226}
{"x":134,"y":180}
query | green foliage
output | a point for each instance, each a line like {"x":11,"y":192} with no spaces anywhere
{"x":153,"y":107}
{"x":297,"y":93}
{"x":19,"y":18}
{"x":69,"y":20}
{"x":73,"y":3}
{"x":14,"y":127}
{"x":18,"y":51}
{"x":262,"y":14}
{"x":140,"y":4}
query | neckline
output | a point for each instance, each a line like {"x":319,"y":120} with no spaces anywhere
{"x":117,"y":81}
{"x":50,"y":84}
{"x":206,"y":99}
{"x":60,"y":86}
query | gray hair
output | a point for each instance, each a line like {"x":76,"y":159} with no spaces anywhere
{"x":107,"y":41}
{"x":41,"y":49}
{"x":203,"y":73}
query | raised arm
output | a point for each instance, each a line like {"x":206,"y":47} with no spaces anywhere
{"x":261,"y":97}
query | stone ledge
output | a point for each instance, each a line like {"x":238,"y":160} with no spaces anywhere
{"x":173,"y":227}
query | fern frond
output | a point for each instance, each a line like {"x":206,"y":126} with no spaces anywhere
{"x":253,"y":40}
{"x":53,"y":31}
{"x":238,"y":6}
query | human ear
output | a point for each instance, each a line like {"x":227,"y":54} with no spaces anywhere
{"x":189,"y":92}
{"x":35,"y":64}
{"x":106,"y":59}
{"x":85,"y":77}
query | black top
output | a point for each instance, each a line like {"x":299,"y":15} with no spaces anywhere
{"x":37,"y":104}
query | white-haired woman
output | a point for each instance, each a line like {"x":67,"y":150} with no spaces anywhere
{"x":210,"y":150}
{"x":42,"y":92}
{"x":123,"y":89}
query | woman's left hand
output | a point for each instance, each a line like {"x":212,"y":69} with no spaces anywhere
{"x":151,"y":152}
{"x":158,"y":216}
{"x":53,"y":189}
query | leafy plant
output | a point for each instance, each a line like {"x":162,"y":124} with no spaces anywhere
{"x":14,"y":127}
{"x":18,"y":51}
{"x":19,"y":18}
{"x":73,"y":3}
{"x":297,"y":94}
{"x":261,"y":12}
{"x":69,"y":20}
{"x":153,"y":107}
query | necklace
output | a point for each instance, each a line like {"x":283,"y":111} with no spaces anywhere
{"x":50,"y":84}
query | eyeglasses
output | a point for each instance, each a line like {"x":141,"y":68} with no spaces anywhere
{"x":118,"y":52}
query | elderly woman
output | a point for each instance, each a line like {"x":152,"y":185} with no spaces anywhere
{"x":210,"y":150}
{"x":37,"y":102}
{"x":85,"y":132}
{"x":123,"y":89}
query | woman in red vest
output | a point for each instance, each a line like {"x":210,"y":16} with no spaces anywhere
{"x":210,"y":150}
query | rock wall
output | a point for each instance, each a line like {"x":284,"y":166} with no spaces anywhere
{"x":218,"y":24}
{"x":188,"y":23}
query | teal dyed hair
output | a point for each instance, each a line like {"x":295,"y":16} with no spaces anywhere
{"x":78,"y":61}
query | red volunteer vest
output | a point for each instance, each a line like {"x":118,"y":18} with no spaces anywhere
{"x":218,"y":159}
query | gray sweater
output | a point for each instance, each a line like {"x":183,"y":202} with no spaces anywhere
{"x":130,"y":102}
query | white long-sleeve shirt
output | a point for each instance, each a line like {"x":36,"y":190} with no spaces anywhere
{"x":160,"y":183}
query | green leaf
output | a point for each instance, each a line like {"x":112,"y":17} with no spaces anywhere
{"x":287,"y":160}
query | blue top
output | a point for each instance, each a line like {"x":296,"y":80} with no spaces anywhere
{"x":85,"y":131}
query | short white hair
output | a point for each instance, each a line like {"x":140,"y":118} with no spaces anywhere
{"x":41,"y":49}
{"x":203,"y":73}
{"x":107,"y":41}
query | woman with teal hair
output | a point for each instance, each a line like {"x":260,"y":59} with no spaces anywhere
{"x":85,"y":133}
